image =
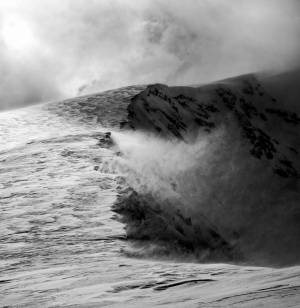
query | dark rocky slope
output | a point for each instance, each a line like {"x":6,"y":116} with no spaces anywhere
{"x":244,"y":183}
{"x":241,"y":103}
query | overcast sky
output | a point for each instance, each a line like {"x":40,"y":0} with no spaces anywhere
{"x":53,"y":49}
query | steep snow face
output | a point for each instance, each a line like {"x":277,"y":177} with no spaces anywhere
{"x":229,"y":154}
{"x":239,"y":103}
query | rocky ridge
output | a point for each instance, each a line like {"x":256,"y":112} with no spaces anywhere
{"x":269,"y":132}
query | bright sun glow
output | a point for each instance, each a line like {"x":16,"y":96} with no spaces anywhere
{"x":17,"y":34}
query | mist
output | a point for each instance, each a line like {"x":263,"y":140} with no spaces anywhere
{"x":50,"y":50}
{"x":252,"y":208}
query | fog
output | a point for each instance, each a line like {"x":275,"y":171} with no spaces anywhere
{"x":252,"y":208}
{"x":51,"y":50}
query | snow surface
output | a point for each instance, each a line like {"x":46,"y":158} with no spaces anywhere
{"x":61,"y":245}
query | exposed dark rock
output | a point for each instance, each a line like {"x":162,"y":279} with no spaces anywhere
{"x":227,"y":96}
{"x":106,"y":141}
{"x":158,"y":128}
{"x":123,"y":124}
{"x":247,"y":87}
{"x":262,"y":144}
{"x":263,"y":117}
{"x":293,"y":150}
{"x":288,"y":117}
{"x":204,"y":123}
{"x":211,"y":108}
{"x":150,"y":219}
{"x":281,"y":172}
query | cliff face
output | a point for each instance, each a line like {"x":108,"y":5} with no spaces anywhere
{"x":241,"y":104}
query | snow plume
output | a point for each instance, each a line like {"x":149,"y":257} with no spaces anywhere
{"x":215,"y":182}
{"x":53,"y":49}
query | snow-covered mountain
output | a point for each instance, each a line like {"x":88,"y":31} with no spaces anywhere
{"x":93,"y":215}
{"x":239,"y":103}
{"x":244,"y":179}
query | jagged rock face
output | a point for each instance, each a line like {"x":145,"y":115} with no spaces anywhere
{"x":266,"y":130}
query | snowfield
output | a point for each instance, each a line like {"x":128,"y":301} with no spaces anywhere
{"x":91,"y":216}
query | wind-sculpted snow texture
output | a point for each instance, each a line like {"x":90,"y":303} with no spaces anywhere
{"x":106,"y":109}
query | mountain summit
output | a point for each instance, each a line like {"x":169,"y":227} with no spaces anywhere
{"x":231,"y":152}
{"x":240,"y":103}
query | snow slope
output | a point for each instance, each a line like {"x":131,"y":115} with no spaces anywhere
{"x":64,"y":167}
{"x":239,"y":101}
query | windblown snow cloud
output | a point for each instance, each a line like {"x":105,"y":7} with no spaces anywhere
{"x":55,"y":49}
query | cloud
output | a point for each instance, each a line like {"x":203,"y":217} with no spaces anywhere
{"x":51,"y":49}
